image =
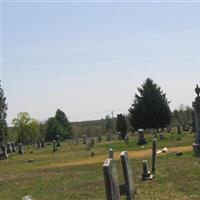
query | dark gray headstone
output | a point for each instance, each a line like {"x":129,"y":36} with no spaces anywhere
{"x":58,"y":140}
{"x":146,"y":175}
{"x":43,"y":143}
{"x":20,"y":149}
{"x":38,"y":145}
{"x":54,"y":145}
{"x":9,"y":148}
{"x":128,"y":178}
{"x":111,"y":180}
{"x":141,"y":138}
{"x":13,"y":147}
{"x":3,"y":153}
{"x":154,"y":149}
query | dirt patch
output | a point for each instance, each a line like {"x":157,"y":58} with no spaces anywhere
{"x":101,"y":158}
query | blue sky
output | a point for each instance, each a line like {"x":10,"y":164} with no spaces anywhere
{"x":89,"y":58}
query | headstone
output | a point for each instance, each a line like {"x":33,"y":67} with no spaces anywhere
{"x":128,"y":178}
{"x":58,"y":140}
{"x":3,"y":153}
{"x":20,"y":149}
{"x":38,"y":145}
{"x":43,"y":143}
{"x":141,"y":138}
{"x":111,"y":180}
{"x":161,"y":136}
{"x":54,"y":146}
{"x":92,"y":142}
{"x":9,"y":148}
{"x":13,"y":147}
{"x":184,"y":127}
{"x":154,"y":150}
{"x":110,"y":154}
{"x":196,"y":106}
{"x":99,"y":138}
{"x":178,"y":129}
{"x":126,"y":139}
{"x":84,"y":139}
{"x":146,"y":175}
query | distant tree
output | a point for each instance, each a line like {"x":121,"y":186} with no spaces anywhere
{"x":3,"y":115}
{"x":150,"y":109}
{"x":108,"y":123}
{"x":121,"y":125}
{"x":27,"y":128}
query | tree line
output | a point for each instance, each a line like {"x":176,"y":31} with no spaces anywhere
{"x":149,"y":109}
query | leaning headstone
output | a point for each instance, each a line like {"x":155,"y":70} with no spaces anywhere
{"x":154,"y":150}
{"x":43,"y":143}
{"x":20,"y":149}
{"x":141,"y":138}
{"x":146,"y":175}
{"x":54,"y":146}
{"x":110,"y":154}
{"x":128,"y":178}
{"x":111,"y":180}
{"x":13,"y":147}
{"x":3,"y":153}
{"x":58,"y":140}
{"x":9,"y":148}
{"x":196,"y":106}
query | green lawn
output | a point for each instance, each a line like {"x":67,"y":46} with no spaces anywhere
{"x":49,"y":178}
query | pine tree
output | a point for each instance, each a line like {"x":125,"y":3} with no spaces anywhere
{"x":3,"y":115}
{"x":150,"y":109}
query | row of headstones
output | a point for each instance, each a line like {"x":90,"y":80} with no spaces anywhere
{"x":113,"y":189}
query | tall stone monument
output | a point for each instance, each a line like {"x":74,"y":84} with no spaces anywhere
{"x":196,"y":106}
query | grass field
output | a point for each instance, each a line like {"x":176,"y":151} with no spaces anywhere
{"x":71,"y":173}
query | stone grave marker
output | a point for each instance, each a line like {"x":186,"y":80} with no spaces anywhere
{"x":110,"y":154}
{"x":128,"y":178}
{"x":84,"y":139}
{"x":13,"y":147}
{"x":141,"y":138}
{"x":54,"y":146}
{"x":38,"y":145}
{"x":20,"y":149}
{"x":43,"y":143}
{"x":58,"y":140}
{"x":9,"y":148}
{"x":146,"y":175}
{"x":161,"y":136}
{"x":111,"y":180}
{"x":154,"y":150}
{"x":3,"y":153}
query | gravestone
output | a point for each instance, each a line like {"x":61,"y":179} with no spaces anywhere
{"x":178,"y":129}
{"x":99,"y":138}
{"x":3,"y":153}
{"x":76,"y":141}
{"x":20,"y":149}
{"x":9,"y":148}
{"x":54,"y":146}
{"x":92,"y":142}
{"x":111,"y":180}
{"x":110,"y":154}
{"x":58,"y":140}
{"x":161,"y":136}
{"x":154,"y":149}
{"x":84,"y":139}
{"x":196,"y":106}
{"x":38,"y":145}
{"x":128,"y":178}
{"x":13,"y":147}
{"x":43,"y":143}
{"x":141,"y":138}
{"x":146,"y":175}
{"x":126,"y":139}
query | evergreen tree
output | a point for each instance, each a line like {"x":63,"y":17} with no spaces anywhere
{"x":150,"y":109}
{"x":121,"y":125}
{"x":3,"y":115}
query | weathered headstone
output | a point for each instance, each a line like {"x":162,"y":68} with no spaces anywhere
{"x":196,"y":106}
{"x":84,"y":139}
{"x":99,"y":138}
{"x":141,"y":138}
{"x":92,"y":142}
{"x":54,"y":146}
{"x":3,"y":153}
{"x":154,"y":149}
{"x":9,"y":148}
{"x":110,"y":154}
{"x":111,"y":180}
{"x":58,"y":140}
{"x":178,"y":129}
{"x":20,"y":149}
{"x":38,"y":145}
{"x":128,"y":178}
{"x":43,"y":143}
{"x":146,"y":175}
{"x":13,"y":147}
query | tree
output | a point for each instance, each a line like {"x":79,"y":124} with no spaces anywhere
{"x":3,"y":115}
{"x":150,"y":109}
{"x":27,"y":128}
{"x":108,"y":123}
{"x":121,"y":125}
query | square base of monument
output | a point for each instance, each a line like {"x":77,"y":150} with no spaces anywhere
{"x":147,"y":176}
{"x":196,"y":148}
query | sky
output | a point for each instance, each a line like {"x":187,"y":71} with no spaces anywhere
{"x":88,"y":58}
